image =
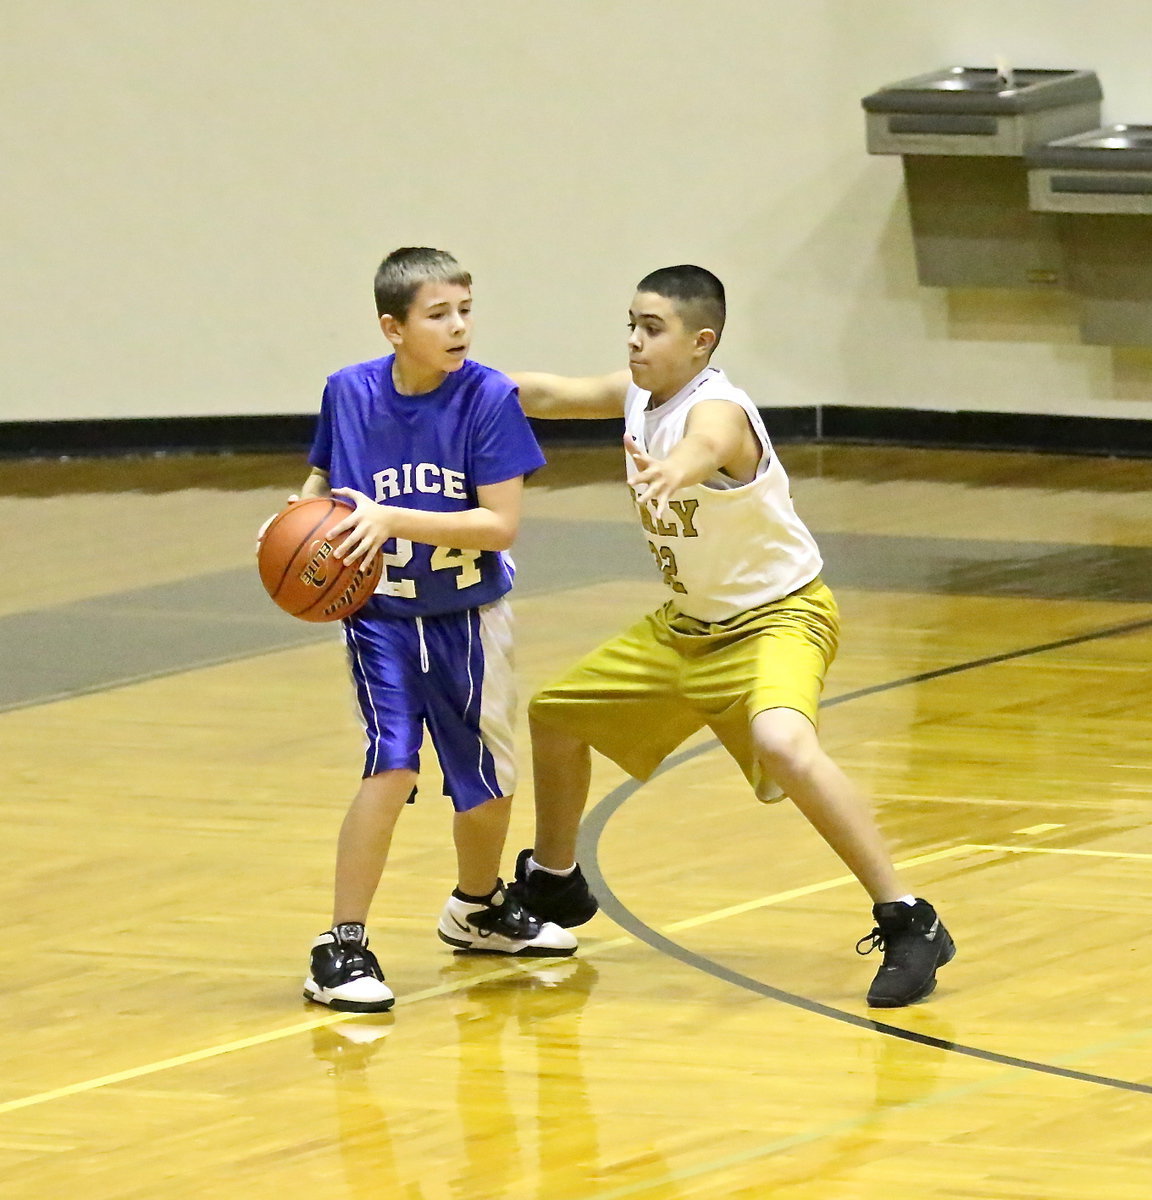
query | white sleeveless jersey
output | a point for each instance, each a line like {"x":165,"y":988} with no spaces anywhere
{"x":722,"y":546}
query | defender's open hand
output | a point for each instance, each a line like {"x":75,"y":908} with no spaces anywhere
{"x":658,"y":478}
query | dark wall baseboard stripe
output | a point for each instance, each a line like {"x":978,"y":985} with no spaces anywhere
{"x":986,"y":430}
{"x":291,"y":433}
{"x":155,"y":435}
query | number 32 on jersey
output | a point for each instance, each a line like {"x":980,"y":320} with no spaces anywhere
{"x":666,"y":561}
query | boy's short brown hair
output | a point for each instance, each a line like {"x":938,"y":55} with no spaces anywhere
{"x":697,"y":294}
{"x":400,"y":276}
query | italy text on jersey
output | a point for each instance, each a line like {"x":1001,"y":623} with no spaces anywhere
{"x":683,"y":510}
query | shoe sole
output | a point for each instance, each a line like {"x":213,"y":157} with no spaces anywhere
{"x":526,"y":952}
{"x":352,"y":1006}
{"x":947,"y":954}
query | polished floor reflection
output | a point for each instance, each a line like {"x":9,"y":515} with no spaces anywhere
{"x":176,"y":756}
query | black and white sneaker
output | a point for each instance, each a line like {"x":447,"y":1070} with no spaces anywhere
{"x":915,"y":943}
{"x":345,"y":974}
{"x":564,"y":900}
{"x":500,"y":926}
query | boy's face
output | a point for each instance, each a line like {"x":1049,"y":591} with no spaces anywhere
{"x":663,"y":354}
{"x":437,"y":331}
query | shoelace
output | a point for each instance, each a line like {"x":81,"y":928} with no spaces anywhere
{"x":875,"y":941}
{"x":508,"y":918}
{"x":355,"y":959}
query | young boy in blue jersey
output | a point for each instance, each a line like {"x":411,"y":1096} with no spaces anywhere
{"x":432,"y":449}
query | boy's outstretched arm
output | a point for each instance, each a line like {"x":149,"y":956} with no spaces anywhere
{"x":717,"y":435}
{"x":556,"y":397}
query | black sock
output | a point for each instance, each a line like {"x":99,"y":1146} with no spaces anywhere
{"x":475,"y":899}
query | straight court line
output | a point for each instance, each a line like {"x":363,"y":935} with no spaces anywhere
{"x":287,"y":1031}
{"x":809,"y":890}
{"x":1056,"y":850}
{"x":935,"y":856}
{"x":263,"y":1039}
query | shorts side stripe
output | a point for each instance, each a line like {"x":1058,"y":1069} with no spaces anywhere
{"x":368,"y":711}
{"x":498,"y":694}
{"x":473,"y":618}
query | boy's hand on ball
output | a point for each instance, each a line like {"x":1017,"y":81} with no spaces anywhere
{"x":367,"y":527}
{"x":264,"y":528}
{"x":298,"y":566}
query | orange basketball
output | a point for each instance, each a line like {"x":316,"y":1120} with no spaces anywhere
{"x":300,"y":572}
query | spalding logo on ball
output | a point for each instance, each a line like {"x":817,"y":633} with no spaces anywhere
{"x":298,"y":567}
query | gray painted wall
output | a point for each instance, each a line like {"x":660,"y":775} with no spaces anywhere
{"x":196,"y":195}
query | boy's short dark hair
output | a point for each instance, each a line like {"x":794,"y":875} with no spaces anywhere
{"x":698,"y":294}
{"x":400,"y":276}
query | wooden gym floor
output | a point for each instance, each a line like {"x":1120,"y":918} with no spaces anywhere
{"x":176,"y":756}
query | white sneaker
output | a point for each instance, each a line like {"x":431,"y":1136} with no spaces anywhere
{"x":501,"y":926}
{"x":345,"y":974}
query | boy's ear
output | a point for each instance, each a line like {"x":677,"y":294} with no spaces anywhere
{"x":392,"y":328}
{"x":706,"y":340}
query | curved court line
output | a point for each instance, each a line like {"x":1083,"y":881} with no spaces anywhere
{"x":595,"y":822}
{"x":846,"y":1125}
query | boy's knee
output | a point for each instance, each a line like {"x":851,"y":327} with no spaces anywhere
{"x":487,"y":808}
{"x":397,"y":785}
{"x":784,"y":738}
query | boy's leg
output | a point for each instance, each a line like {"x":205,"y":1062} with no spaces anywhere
{"x":548,"y":880}
{"x":343,"y":972}
{"x":622,"y":701}
{"x":760,"y":677}
{"x":469,"y":693}
{"x":912,"y":937}
{"x":365,"y":837}
{"x":383,"y":658}
{"x":562,"y":772}
{"x":791,"y":754}
{"x":480,"y":915}
{"x":479,"y":834}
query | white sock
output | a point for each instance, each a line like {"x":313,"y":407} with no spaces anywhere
{"x":910,"y":900}
{"x":533,"y":865}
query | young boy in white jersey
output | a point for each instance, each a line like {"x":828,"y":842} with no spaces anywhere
{"x":431,"y":448}
{"x":742,"y":645}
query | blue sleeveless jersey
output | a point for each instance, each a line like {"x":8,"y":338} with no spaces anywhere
{"x":429,"y":452}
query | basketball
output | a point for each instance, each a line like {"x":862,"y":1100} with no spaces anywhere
{"x":298,"y":568}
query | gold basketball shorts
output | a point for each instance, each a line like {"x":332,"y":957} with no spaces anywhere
{"x":639,"y":695}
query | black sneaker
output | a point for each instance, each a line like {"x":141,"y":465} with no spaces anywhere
{"x":501,"y":925}
{"x":562,"y":899}
{"x":345,"y":974}
{"x":914,"y":943}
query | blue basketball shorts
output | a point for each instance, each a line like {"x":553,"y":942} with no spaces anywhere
{"x":452,"y":673}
